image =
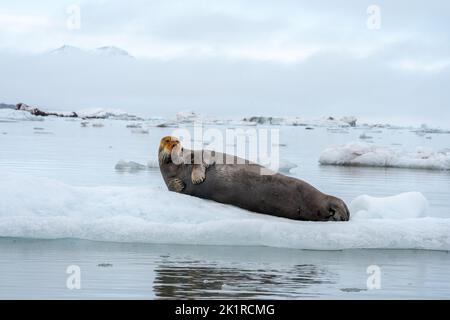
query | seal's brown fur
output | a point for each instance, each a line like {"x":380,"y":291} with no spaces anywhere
{"x":243,"y":185}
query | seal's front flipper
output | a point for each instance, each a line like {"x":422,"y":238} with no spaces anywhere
{"x":209,"y":158}
{"x":176,"y":185}
{"x":198,"y":173}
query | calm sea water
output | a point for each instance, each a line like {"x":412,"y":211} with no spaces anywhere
{"x":37,"y":269}
{"x":63,"y":150}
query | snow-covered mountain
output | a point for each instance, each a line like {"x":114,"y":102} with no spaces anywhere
{"x":67,"y":50}
{"x":106,"y":51}
{"x":112,"y":51}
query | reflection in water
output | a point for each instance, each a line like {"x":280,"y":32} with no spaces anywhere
{"x":203,"y":279}
{"x":35,"y":269}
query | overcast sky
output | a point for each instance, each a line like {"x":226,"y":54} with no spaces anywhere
{"x":233,"y":58}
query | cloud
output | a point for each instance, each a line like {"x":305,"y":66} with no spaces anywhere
{"x":291,"y":30}
{"x":422,"y":66}
{"x":327,"y":84}
{"x":12,"y":20}
{"x":233,"y":57}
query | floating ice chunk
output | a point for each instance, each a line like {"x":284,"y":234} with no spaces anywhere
{"x":285,"y":166}
{"x":7,"y":106}
{"x":123,"y":165}
{"x":140,"y":131}
{"x":104,"y":265}
{"x":264,"y":120}
{"x":281,"y":145}
{"x":424,"y":129}
{"x":134,"y":125}
{"x":169,"y":124}
{"x":243,"y":123}
{"x":365,"y":137}
{"x":100,"y":113}
{"x":34,"y":207}
{"x":364,"y":154}
{"x":187,"y":117}
{"x":402,"y":206}
{"x":296,"y":121}
{"x":351,"y":121}
{"x":153,"y":164}
{"x":10,"y":115}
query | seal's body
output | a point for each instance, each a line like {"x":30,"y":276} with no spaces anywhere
{"x":244,"y":186}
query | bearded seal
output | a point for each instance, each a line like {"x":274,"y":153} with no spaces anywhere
{"x":239,"y":182}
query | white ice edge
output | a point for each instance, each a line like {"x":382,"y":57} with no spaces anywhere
{"x":20,"y":115}
{"x":16,"y":115}
{"x":364,"y":154}
{"x":34,"y":207}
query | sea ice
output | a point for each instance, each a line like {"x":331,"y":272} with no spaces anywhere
{"x":33,"y":207}
{"x":123,"y":165}
{"x":351,"y":121}
{"x":187,"y":117}
{"x":285,"y":166}
{"x":134,"y":125}
{"x":364,"y":154}
{"x":153,"y":164}
{"x":16,"y":115}
{"x":403,"y":206}
{"x":107,"y":114}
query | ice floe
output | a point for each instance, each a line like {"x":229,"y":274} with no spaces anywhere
{"x":365,"y":137}
{"x":187,"y":117}
{"x":265,"y":120}
{"x":285,"y":166}
{"x":425,"y":129}
{"x":123,"y":165}
{"x":133,"y":166}
{"x":10,"y":115}
{"x":140,"y":131}
{"x":7,"y":106}
{"x":403,"y":206}
{"x":34,"y":207}
{"x":297,"y":121}
{"x":101,"y":113}
{"x":364,"y":154}
{"x":134,"y":125}
{"x":351,"y":121}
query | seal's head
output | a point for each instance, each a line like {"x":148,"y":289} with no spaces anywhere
{"x":170,"y":150}
{"x":337,"y":209}
{"x":326,"y":208}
